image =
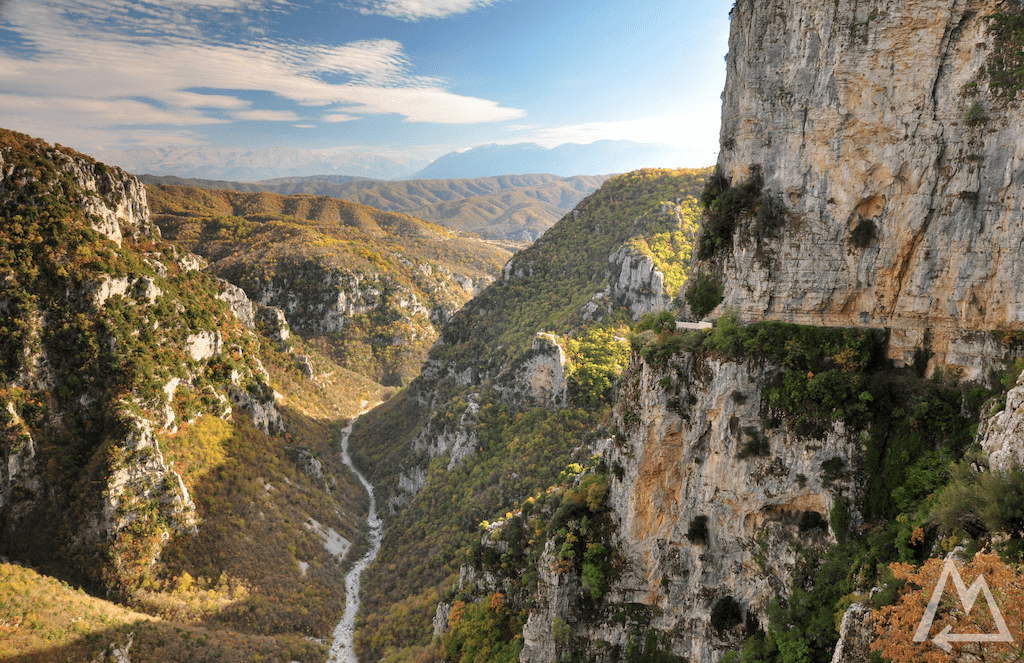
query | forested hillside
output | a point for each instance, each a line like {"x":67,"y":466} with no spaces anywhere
{"x":371,"y":288}
{"x":164,"y":441}
{"x":500,"y":411}
{"x":515,"y":208}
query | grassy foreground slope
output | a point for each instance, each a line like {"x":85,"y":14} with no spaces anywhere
{"x":518,"y":449}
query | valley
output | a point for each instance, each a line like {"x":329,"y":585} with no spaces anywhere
{"x":512,"y":209}
{"x":561,"y":464}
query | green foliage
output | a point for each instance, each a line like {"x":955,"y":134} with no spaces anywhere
{"x":703,"y":295}
{"x":672,"y":249}
{"x":830,"y":374}
{"x":804,"y":630}
{"x":975,"y":115}
{"x":520,"y":454}
{"x":839,"y":517}
{"x":975,"y":502}
{"x":1005,"y":65}
{"x":482,"y":632}
{"x":664,"y":321}
{"x":654,"y":650}
{"x":597,"y":360}
{"x":724,"y":204}
{"x":656,"y":340}
{"x":551,"y":281}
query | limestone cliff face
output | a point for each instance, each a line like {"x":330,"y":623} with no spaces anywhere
{"x":878,"y":113}
{"x":539,"y":377}
{"x":114,"y":201}
{"x":1003,"y":438}
{"x":120,"y":339}
{"x":693,"y":444}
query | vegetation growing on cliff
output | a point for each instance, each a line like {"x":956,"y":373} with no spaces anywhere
{"x":518,"y":451}
{"x":97,"y":343}
{"x":725,"y":205}
{"x":1005,"y":65}
{"x":372,"y":287}
{"x":549,"y":283}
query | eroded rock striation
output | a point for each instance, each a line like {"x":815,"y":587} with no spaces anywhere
{"x":694,"y":448}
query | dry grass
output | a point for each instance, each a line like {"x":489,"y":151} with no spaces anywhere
{"x":45,"y":620}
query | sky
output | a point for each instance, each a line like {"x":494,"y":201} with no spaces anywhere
{"x":418,"y":78}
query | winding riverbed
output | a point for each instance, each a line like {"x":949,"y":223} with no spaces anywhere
{"x":343,"y":646}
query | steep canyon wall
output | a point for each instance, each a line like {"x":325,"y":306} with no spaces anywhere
{"x":883,"y":115}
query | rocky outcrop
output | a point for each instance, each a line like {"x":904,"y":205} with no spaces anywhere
{"x":898,"y":166}
{"x":856,"y":633}
{"x":104,"y":349}
{"x":114,"y":200}
{"x":20,"y":479}
{"x":539,"y":377}
{"x":238,"y":303}
{"x":637,"y":283}
{"x":141,"y":476}
{"x":274,"y":325}
{"x":1003,"y":440}
{"x":694,"y":445}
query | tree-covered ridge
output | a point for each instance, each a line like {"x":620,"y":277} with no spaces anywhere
{"x":518,"y":451}
{"x":235,"y":221}
{"x":494,"y":207}
{"x":546,"y":286}
{"x":373,"y":286}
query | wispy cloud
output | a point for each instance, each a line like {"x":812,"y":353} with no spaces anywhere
{"x":266,"y":116}
{"x":414,"y":10}
{"x":339,"y":117}
{"x":88,"y":68}
{"x":689,"y":131}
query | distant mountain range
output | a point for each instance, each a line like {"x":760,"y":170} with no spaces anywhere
{"x":512,"y":207}
{"x":272,"y":162}
{"x":601,"y":157}
{"x":344,"y":163}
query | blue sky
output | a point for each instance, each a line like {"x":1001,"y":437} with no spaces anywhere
{"x":412,"y":78}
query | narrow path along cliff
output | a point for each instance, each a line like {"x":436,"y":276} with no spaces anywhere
{"x":343,"y":645}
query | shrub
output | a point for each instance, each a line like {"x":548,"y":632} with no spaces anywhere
{"x":724,"y":205}
{"x":703,"y":295}
{"x":840,"y":518}
{"x":975,"y":115}
{"x":698,"y":530}
{"x":726,"y":614}
{"x":863,"y":234}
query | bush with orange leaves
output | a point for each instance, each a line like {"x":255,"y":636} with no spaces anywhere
{"x":896,"y":625}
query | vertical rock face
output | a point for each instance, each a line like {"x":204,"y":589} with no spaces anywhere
{"x":640,"y":284}
{"x":1004,"y":433}
{"x":120,"y":338}
{"x":694,"y":448}
{"x":541,"y":380}
{"x":878,"y":115}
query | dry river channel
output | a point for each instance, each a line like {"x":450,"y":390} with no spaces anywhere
{"x":343,"y":645}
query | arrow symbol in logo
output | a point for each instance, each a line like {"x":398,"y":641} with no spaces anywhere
{"x":967,"y":597}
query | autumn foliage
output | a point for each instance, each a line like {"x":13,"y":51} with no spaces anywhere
{"x":896,"y":625}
